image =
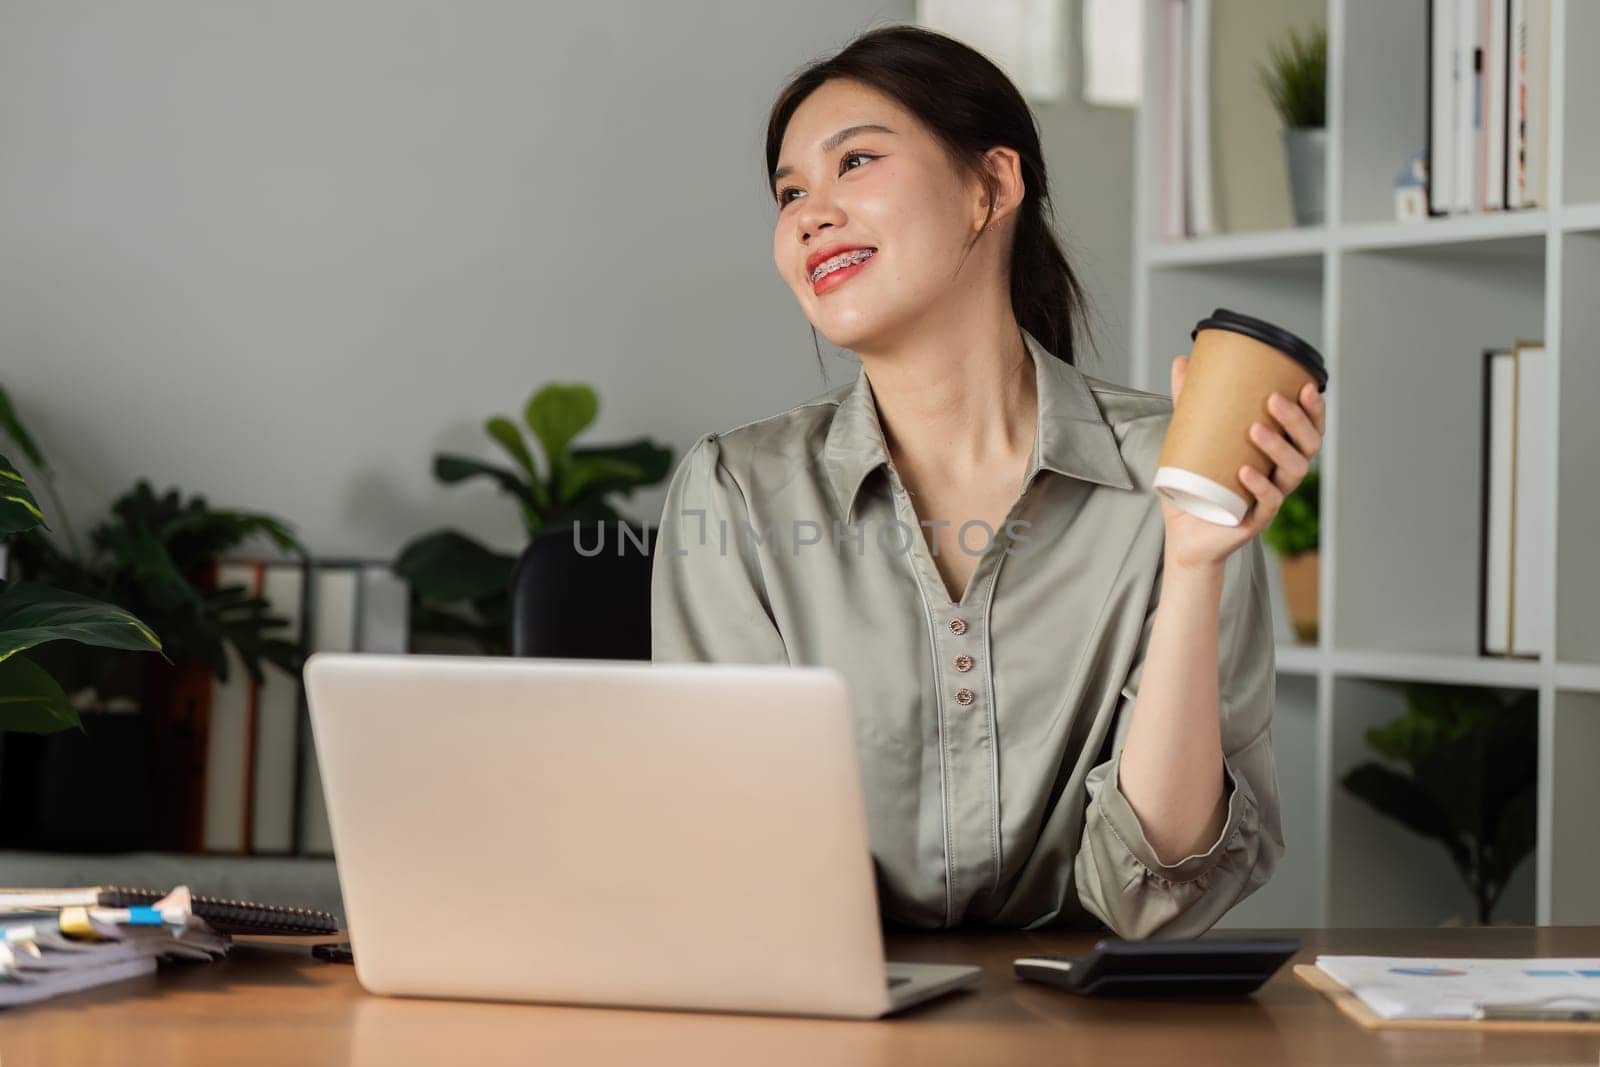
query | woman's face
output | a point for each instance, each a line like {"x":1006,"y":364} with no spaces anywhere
{"x":888,"y":186}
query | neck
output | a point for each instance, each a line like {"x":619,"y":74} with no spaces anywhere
{"x":958,"y":399}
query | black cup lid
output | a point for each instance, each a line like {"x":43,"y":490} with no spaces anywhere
{"x":1276,"y":336}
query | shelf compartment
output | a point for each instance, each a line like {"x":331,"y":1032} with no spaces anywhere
{"x":1580,"y":217}
{"x":1574,"y":860}
{"x":1581,"y":135}
{"x":1293,"y":896}
{"x":1286,"y":290}
{"x":1421,"y":667}
{"x":1408,"y":422}
{"x":1444,"y":230}
{"x":1295,"y":657}
{"x":1578,"y":501}
{"x":1367,"y":886}
{"x":1384,"y":117}
{"x":1241,"y":247}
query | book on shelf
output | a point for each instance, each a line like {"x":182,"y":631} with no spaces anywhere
{"x":251,"y":756}
{"x":263,"y":787}
{"x":356,"y":606}
{"x":1488,"y":105}
{"x":1174,"y":216}
{"x":1513,"y":609}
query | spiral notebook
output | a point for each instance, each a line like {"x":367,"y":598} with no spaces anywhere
{"x":223,"y":915}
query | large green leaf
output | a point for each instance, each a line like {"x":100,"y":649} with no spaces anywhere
{"x":651,"y":463}
{"x":559,"y":412}
{"x":11,"y":425}
{"x":31,"y":614}
{"x":509,"y":437}
{"x":580,"y":476}
{"x":30,"y":700}
{"x":448,"y":565}
{"x":452,"y":469}
{"x":19,"y":511}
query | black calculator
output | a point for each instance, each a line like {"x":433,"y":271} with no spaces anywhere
{"x":1204,"y":967}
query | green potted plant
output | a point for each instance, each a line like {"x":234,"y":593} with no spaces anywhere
{"x":36,"y":713}
{"x":1293,"y":535}
{"x":153,"y":557}
{"x":1470,"y":768}
{"x":459,"y":586}
{"x":33,"y":614}
{"x":1295,"y":77}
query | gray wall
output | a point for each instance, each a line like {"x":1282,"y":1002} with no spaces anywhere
{"x":281,"y":253}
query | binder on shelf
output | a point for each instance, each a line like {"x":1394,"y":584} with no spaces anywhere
{"x":1488,"y":105}
{"x":252,"y":747}
{"x":1197,"y":138}
{"x":1467,"y":64}
{"x":1513,"y":609}
{"x":229,"y":741}
{"x":355,"y":606}
{"x":272,"y":803}
{"x":263,"y":787}
{"x":1491,"y":146}
{"x":1441,"y":106}
{"x":1174,"y":217}
{"x":1536,"y":102}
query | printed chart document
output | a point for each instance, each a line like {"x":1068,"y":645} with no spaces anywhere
{"x":1409,"y":987}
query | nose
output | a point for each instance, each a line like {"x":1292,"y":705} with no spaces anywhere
{"x":817,"y":215}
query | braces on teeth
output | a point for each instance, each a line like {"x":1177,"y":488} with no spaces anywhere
{"x":842,"y":260}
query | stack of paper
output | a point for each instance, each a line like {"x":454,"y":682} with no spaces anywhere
{"x":47,"y":953}
{"x":1402,"y":987}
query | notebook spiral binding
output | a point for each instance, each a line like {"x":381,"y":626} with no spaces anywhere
{"x":226,"y":915}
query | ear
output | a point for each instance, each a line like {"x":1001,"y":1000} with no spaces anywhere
{"x":1006,"y":166}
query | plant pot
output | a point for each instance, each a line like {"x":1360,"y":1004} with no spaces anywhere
{"x":133,"y":779}
{"x":1306,"y":152}
{"x":1300,"y":592}
{"x":78,"y":791}
{"x":582,"y":591}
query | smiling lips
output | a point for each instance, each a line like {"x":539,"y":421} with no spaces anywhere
{"x":838,"y":267}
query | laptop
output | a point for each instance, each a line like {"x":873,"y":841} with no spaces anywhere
{"x":624,"y":833}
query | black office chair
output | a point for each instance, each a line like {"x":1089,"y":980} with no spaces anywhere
{"x":569,"y":605}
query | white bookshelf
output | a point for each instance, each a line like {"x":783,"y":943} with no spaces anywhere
{"x":1402,"y":311}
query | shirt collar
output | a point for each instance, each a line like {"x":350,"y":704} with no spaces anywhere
{"x":1072,"y":437}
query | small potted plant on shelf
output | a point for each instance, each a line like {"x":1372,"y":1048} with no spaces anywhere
{"x":1296,"y":78}
{"x":135,"y":779}
{"x":1293,"y":534}
{"x":459,"y":586}
{"x":1471,"y":768}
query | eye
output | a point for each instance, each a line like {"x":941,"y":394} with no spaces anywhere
{"x":786,"y":190}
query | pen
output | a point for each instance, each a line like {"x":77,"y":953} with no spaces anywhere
{"x":1550,"y":1009}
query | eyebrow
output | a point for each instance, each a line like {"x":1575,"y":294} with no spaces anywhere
{"x":834,"y":141}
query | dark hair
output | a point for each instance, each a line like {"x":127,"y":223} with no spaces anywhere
{"x":970,"y":106}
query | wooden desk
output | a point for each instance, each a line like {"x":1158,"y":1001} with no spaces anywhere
{"x":267,"y":1004}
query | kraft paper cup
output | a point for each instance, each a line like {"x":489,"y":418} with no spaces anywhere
{"x":1237,"y":362}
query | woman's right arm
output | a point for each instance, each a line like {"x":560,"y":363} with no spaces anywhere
{"x":707,"y":600}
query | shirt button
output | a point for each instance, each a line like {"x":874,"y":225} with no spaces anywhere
{"x":963,"y":697}
{"x":963,"y":663}
{"x":958,"y":626}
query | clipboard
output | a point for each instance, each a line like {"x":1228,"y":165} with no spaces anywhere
{"x":1352,"y":1006}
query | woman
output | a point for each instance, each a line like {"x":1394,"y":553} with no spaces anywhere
{"x":1062,"y":684}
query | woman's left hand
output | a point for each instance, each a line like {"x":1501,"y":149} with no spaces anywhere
{"x":1195,"y":542}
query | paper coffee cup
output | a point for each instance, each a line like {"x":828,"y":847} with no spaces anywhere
{"x":1237,"y":362}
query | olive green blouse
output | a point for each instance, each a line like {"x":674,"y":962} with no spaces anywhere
{"x":989,"y":730}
